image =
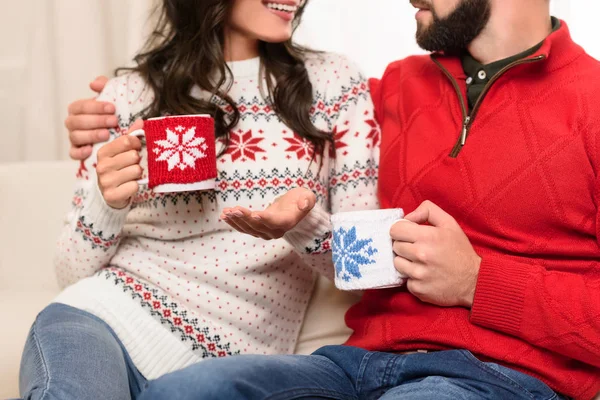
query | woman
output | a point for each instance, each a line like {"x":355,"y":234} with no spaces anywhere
{"x":155,"y":283}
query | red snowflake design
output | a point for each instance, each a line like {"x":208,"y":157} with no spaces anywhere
{"x":338,"y":143}
{"x":303,"y":148}
{"x":243,"y":146}
{"x":82,"y":171}
{"x":374,"y":134}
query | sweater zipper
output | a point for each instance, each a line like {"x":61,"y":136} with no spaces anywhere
{"x":468,"y":119}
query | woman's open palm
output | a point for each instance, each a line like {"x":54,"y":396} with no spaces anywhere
{"x":277,"y":219}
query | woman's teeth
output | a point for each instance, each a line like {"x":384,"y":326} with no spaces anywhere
{"x":282,"y":7}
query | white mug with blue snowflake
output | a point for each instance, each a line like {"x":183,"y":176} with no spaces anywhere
{"x":362,"y":249}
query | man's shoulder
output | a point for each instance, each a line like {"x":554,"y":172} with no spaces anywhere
{"x":579,"y":82}
{"x":590,"y":67}
{"x":586,"y":91}
{"x":408,"y":66}
{"x":399,"y":72}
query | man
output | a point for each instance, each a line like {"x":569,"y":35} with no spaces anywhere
{"x":493,"y":142}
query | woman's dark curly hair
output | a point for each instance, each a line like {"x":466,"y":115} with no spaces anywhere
{"x":186,"y":50}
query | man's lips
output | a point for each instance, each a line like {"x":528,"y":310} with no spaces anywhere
{"x":420,"y":6}
{"x":421,"y":9}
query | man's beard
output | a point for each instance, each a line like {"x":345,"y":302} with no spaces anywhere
{"x":455,"y":32}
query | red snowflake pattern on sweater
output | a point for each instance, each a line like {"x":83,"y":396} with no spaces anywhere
{"x":82,"y":171}
{"x":302,"y":147}
{"x":374,"y":133}
{"x":338,"y":143}
{"x":243,"y":146}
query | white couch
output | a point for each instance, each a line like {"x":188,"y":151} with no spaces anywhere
{"x":34,"y":198}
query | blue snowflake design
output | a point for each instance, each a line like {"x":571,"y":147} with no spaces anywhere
{"x":350,"y":254}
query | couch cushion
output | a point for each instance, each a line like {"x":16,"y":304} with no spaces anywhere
{"x":34,"y":202}
{"x":324,"y":322}
{"x":19,"y":309}
{"x":35,"y":199}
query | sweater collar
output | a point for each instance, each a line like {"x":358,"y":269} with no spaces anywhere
{"x":245,"y":69}
{"x":557,"y":50}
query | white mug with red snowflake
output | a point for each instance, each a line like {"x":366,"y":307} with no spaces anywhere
{"x":181,"y":153}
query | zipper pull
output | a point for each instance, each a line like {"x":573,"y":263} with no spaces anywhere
{"x":463,"y":137}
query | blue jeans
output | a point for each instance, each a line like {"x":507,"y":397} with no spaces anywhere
{"x":347,"y":373}
{"x":71,"y":354}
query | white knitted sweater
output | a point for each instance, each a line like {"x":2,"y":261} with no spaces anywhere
{"x":175,"y":282}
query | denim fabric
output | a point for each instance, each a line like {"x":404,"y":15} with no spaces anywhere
{"x":73,"y":355}
{"x":347,"y":373}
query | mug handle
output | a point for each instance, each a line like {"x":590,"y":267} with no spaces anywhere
{"x":140,"y":133}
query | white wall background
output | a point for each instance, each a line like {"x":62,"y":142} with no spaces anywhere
{"x":51,"y":49}
{"x":376,"y":32}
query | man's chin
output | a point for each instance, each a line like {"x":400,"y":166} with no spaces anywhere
{"x":422,"y":37}
{"x":423,"y":25}
{"x":421,"y":31}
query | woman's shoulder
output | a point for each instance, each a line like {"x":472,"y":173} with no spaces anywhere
{"x":331,"y":63}
{"x":327,"y":68}
{"x":129,"y":92}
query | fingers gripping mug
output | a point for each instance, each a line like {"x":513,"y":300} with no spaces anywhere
{"x":181,"y":153}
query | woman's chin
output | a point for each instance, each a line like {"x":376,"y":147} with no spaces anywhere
{"x":276,"y":38}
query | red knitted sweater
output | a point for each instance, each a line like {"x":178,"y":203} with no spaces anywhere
{"x":525,"y":189}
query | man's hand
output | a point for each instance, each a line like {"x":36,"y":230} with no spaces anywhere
{"x":118,"y":169}
{"x":281,"y":216}
{"x":438,"y":259}
{"x":89,"y":121}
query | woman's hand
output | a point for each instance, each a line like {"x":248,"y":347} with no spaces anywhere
{"x":281,"y":216}
{"x":89,"y":121}
{"x":118,"y":169}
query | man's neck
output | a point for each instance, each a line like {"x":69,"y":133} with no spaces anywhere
{"x":515,"y":26}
